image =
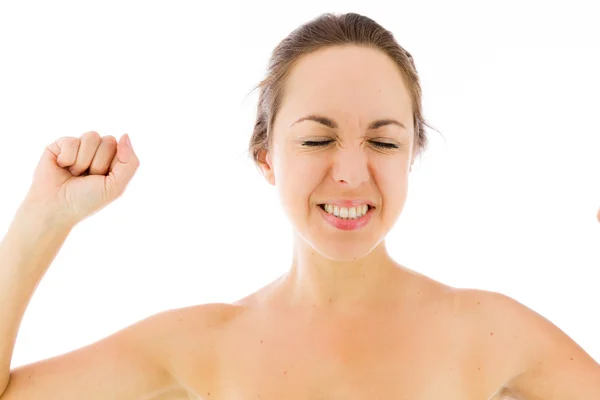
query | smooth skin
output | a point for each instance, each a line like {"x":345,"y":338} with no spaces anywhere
{"x":345,"y":322}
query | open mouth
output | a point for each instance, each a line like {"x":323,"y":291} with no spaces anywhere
{"x":347,"y":213}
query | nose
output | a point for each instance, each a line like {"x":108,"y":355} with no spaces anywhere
{"x":350,"y":166}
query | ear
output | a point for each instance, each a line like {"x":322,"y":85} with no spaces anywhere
{"x":266,"y":166}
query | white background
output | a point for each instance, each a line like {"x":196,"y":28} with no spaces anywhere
{"x":505,"y":200}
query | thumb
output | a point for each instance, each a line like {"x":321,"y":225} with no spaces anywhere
{"x":123,"y":167}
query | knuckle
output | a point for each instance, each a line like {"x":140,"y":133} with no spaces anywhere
{"x":72,"y":143}
{"x":110,"y":139}
{"x":70,"y":147}
{"x":68,"y":140}
{"x":91,"y":136}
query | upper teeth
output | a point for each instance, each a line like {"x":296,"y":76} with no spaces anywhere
{"x":345,"y":212}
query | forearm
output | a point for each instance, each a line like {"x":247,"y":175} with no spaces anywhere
{"x":27,"y":250}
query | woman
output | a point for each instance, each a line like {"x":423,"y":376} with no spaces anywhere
{"x":346,"y":321}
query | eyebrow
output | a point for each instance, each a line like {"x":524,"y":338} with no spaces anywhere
{"x":333,"y":125}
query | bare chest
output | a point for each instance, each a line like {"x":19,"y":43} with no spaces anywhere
{"x":348,"y":361}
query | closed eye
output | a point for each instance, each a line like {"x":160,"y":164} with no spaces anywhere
{"x":313,"y":143}
{"x":385,"y":145}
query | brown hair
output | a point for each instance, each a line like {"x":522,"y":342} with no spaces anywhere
{"x":325,"y":31}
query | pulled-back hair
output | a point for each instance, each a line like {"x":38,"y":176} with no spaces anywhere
{"x":330,"y":30}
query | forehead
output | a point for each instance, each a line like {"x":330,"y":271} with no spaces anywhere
{"x":347,"y":82}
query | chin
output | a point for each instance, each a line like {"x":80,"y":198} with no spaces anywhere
{"x":339,"y":245}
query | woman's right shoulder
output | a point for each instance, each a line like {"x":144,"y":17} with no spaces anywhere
{"x":167,"y":352}
{"x":188,"y":340}
{"x":201,"y":320}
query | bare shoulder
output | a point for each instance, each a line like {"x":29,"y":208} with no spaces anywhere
{"x":204,"y":316}
{"x":154,"y":356}
{"x":169,"y":334}
{"x":196,"y":325}
{"x":508,"y":321}
{"x":525,"y":350}
{"x":188,"y":338}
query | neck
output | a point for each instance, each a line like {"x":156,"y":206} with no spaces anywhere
{"x":326,"y":284}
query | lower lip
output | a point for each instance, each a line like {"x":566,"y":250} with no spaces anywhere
{"x":347,"y":224}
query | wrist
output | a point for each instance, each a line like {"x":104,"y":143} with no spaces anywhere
{"x":42,"y":216}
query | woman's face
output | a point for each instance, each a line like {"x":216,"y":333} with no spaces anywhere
{"x":344,"y":156}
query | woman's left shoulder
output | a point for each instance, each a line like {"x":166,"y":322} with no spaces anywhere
{"x":501,"y":318}
{"x":525,"y":347}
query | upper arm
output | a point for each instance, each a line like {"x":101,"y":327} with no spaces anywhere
{"x":555,"y":367}
{"x":547,"y":364}
{"x":129,"y":364}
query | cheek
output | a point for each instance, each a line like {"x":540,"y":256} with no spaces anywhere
{"x":392,"y":181}
{"x":297,"y":178}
